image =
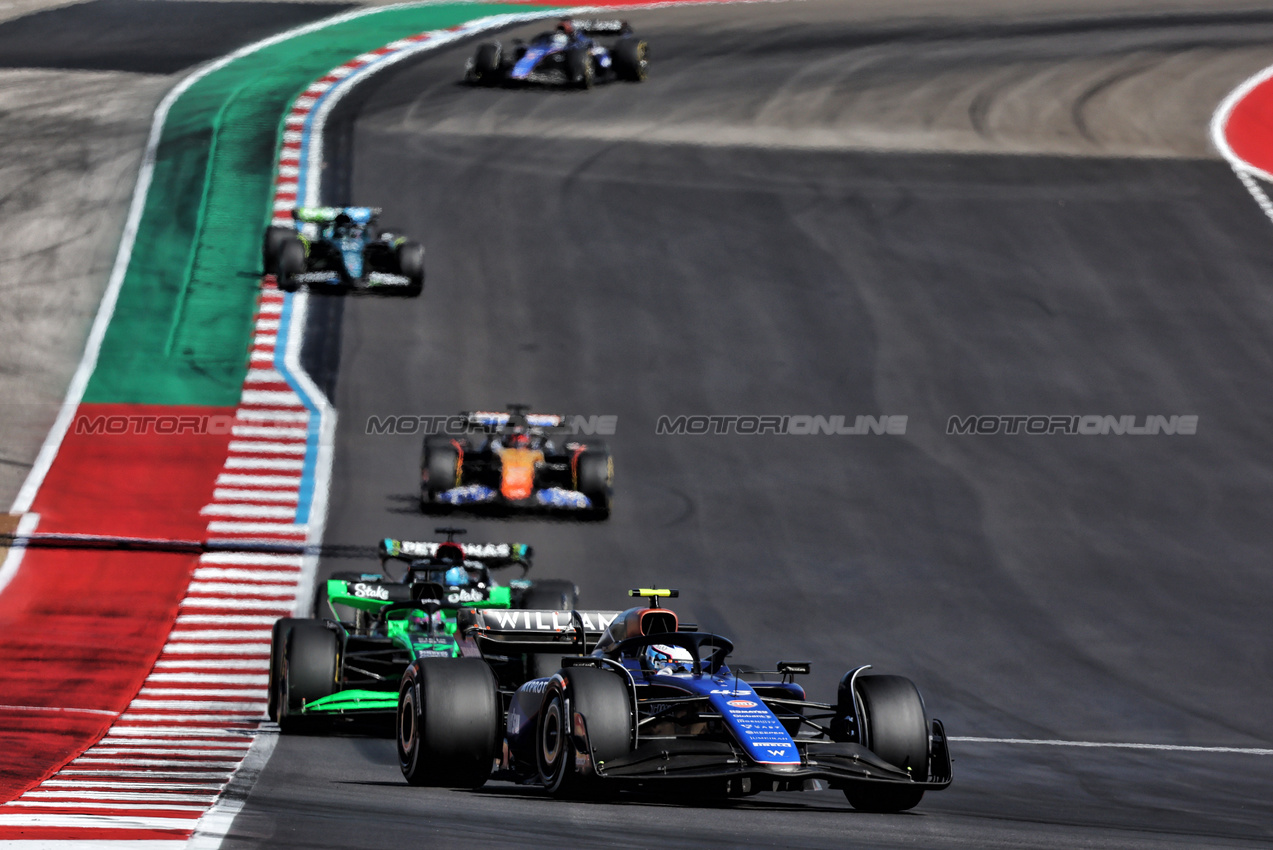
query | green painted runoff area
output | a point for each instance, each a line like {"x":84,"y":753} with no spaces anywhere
{"x":180,"y":332}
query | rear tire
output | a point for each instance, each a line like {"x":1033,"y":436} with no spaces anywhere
{"x":895,"y":728}
{"x":275,"y":236}
{"x":604,"y":702}
{"x":631,"y":59}
{"x":596,"y":481}
{"x":310,"y":670}
{"x":291,"y":262}
{"x":442,"y":463}
{"x":448,"y":722}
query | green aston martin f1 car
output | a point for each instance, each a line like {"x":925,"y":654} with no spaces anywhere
{"x":345,"y":668}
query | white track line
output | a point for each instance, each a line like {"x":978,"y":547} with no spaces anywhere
{"x":1179,"y":748}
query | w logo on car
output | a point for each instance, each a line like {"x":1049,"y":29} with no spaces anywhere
{"x":781,"y":752}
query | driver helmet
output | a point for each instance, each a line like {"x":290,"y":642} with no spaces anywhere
{"x":456,"y":577}
{"x":567,"y":26}
{"x":450,"y":553}
{"x":666,"y":659}
{"x":344,"y":225}
{"x":518,"y":440}
{"x":426,"y":622}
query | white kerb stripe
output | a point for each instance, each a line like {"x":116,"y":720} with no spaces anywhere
{"x":267,"y":447}
{"x":267,"y":431}
{"x":130,"y":796}
{"x":175,"y":648}
{"x":265,"y":376}
{"x":102,"y":822}
{"x":211,"y":664}
{"x":286,"y":398}
{"x":210,"y":573}
{"x":272,"y":527}
{"x":226,"y":494}
{"x":209,"y":678}
{"x":264,"y":463}
{"x":228,"y":619}
{"x":232,"y":588}
{"x":249,"y":511}
{"x":232,"y":604}
{"x":248,"y":415}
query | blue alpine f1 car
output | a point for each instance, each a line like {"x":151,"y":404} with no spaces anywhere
{"x":568,"y":55}
{"x":644,"y":701}
{"x":342,"y":248}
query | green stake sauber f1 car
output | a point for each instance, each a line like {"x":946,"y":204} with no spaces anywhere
{"x":346,"y":668}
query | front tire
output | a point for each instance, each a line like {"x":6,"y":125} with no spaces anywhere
{"x":631,"y":59}
{"x":603,"y":702}
{"x":580,"y":68}
{"x":310,"y":670}
{"x":895,"y":728}
{"x":487,"y":63}
{"x":448,"y":722}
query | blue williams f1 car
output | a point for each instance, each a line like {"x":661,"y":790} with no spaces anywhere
{"x":643,"y":701}
{"x":568,"y":55}
{"x":342,"y":248}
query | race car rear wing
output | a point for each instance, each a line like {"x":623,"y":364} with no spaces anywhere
{"x":492,"y":420}
{"x":515,"y":631}
{"x":492,"y":554}
{"x":590,"y":26}
{"x":326,"y":215}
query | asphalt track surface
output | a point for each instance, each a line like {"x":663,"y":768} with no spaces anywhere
{"x":145,"y":36}
{"x":1099,"y":589}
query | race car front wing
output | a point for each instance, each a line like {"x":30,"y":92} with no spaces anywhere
{"x":548,"y":497}
{"x":837,"y":763}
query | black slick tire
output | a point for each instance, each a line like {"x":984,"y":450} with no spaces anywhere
{"x":631,"y":59}
{"x":291,"y":262}
{"x":310,"y":671}
{"x":411,"y":265}
{"x":603,"y":702}
{"x":895,"y":728}
{"x":448,"y":721}
{"x":595,"y":479}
